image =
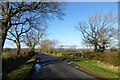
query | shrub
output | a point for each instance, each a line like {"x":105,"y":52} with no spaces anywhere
{"x":88,"y":55}
{"x":5,"y":55}
{"x":107,"y":57}
{"x":6,"y":49}
{"x":9,"y":53}
{"x":113,"y":49}
{"x":111,"y":58}
{"x":78,"y":54}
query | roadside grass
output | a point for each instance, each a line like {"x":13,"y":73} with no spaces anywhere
{"x":23,"y":71}
{"x":97,"y":68}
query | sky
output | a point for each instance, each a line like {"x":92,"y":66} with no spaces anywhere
{"x":64,"y":30}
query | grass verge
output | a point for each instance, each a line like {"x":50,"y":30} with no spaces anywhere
{"x":97,"y":68}
{"x":23,"y":72}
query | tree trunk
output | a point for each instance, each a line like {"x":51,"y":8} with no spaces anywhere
{"x":32,"y":49}
{"x":102,"y":48}
{"x":5,"y":25}
{"x":95,"y":48}
{"x":4,"y":34}
{"x":18,"y":48}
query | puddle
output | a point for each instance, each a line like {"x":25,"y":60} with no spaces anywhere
{"x":37,"y":68}
{"x":76,"y":67}
{"x":68,"y":62}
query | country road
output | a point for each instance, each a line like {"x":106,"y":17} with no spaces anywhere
{"x":52,"y":67}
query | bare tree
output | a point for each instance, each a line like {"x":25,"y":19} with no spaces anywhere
{"x":98,"y":31}
{"x":47,"y":45}
{"x":33,"y":38}
{"x":15,"y":34}
{"x":14,"y":13}
{"x":61,"y":48}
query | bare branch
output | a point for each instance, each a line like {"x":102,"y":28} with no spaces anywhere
{"x":98,"y":30}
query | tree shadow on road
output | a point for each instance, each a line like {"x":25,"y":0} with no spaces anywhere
{"x":49,"y":61}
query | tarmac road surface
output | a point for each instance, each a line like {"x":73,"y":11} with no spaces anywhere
{"x":52,"y":67}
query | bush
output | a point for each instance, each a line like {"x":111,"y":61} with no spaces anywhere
{"x":78,"y":54}
{"x":9,"y":53}
{"x":6,"y":49}
{"x":107,"y":57}
{"x":5,"y":55}
{"x":89,"y":55}
{"x":113,"y":49}
{"x":111,"y":58}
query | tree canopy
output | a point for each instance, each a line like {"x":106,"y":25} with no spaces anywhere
{"x":29,"y":14}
